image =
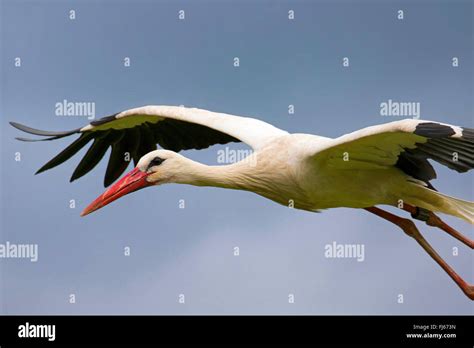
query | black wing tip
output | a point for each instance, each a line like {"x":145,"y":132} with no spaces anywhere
{"x":24,"y":139}
{"x":43,"y":133}
{"x":19,"y":126}
{"x":74,"y":177}
{"x":109,"y":181}
{"x":104,"y":120}
{"x":16,"y":124}
{"x":434,"y":130}
{"x":39,"y":171}
{"x":468,"y":134}
{"x":29,"y":140}
{"x":437,"y":130}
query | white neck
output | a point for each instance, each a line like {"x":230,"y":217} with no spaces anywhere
{"x":269,"y":178}
{"x":233,"y":176}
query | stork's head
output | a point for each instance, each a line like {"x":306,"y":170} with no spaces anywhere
{"x":156,"y":167}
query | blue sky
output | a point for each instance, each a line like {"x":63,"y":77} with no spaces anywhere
{"x":190,"y":251}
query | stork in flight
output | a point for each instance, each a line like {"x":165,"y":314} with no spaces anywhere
{"x":379,"y":165}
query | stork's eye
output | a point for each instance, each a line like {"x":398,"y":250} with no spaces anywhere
{"x":155,"y":162}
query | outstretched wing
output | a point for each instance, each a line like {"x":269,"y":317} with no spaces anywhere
{"x":137,"y":131}
{"x":406,"y":144}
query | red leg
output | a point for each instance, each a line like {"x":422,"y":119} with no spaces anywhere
{"x":433,"y":220}
{"x":410,"y":229}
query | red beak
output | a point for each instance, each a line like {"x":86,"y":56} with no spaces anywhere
{"x":133,"y":181}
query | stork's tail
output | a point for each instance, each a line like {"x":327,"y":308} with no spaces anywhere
{"x":438,"y":202}
{"x":458,"y":207}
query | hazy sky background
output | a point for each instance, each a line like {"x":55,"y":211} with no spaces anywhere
{"x":190,"y":62}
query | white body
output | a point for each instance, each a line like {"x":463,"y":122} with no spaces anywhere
{"x":357,"y":170}
{"x":285,"y":172}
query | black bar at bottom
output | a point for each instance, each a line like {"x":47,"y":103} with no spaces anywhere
{"x":431,"y":330}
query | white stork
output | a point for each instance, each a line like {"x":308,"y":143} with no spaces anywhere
{"x":385,"y":164}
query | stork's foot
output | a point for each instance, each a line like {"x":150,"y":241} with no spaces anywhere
{"x":409,"y":227}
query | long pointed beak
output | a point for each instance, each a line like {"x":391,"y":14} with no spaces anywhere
{"x":133,"y":181}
